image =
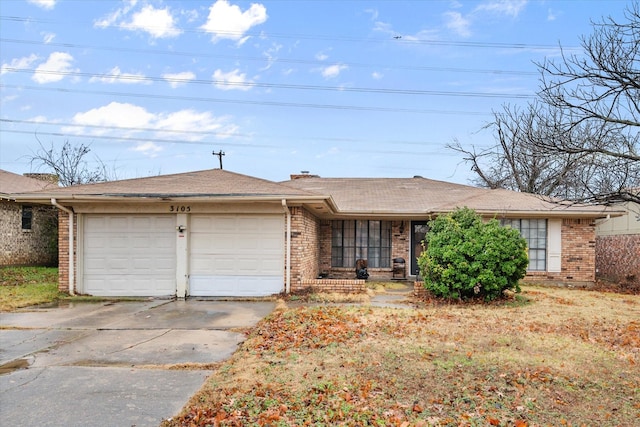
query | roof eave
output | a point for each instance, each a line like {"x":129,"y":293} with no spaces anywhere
{"x":145,"y":198}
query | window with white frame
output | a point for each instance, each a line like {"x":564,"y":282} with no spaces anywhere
{"x":360,"y":239}
{"x":534,"y":232}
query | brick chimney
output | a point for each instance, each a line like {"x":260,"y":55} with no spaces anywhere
{"x":51,"y":178}
{"x":303,"y":175}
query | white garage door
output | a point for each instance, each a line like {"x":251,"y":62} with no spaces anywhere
{"x":129,"y":255}
{"x":236,"y":255}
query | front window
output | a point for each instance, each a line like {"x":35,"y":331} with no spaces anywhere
{"x":535,"y":233}
{"x":27,"y":217}
{"x":360,"y":239}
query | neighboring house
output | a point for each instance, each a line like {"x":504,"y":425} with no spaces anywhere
{"x":618,"y":246}
{"x":27,"y":230}
{"x":219,"y":233}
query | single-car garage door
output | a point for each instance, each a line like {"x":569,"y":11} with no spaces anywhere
{"x":236,"y":255}
{"x":129,"y":255}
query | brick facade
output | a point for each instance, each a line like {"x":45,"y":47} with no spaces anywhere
{"x":305,"y":248}
{"x":63,"y":251}
{"x":618,"y":258}
{"x":311,"y":254}
{"x":578,"y":265}
{"x":36,"y":246}
{"x":345,"y":286}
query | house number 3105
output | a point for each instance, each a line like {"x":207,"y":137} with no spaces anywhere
{"x":179,"y":208}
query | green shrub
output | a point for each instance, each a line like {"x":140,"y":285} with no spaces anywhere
{"x":467,"y":258}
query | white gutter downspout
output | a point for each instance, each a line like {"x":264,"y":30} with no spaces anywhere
{"x":71,"y":269}
{"x":287,"y":286}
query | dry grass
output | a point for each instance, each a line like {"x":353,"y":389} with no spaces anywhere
{"x":562,"y":357}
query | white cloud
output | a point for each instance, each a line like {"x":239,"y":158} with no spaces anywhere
{"x":232,"y":80}
{"x":54,"y":68}
{"x":333,"y":70}
{"x":115,"y":114}
{"x":114,"y":17}
{"x":376,"y":75}
{"x":19,"y":64}
{"x":48,"y":37}
{"x":188,"y":120}
{"x":457,"y":23}
{"x":179,"y":79}
{"x":503,"y":7}
{"x":373,"y":12}
{"x":227,"y":21}
{"x":128,"y":120}
{"x":552,"y":15}
{"x":159,"y":23}
{"x":321,"y":56}
{"x":148,"y":148}
{"x":45,"y":4}
{"x":271,"y":54}
{"x":117,"y":76}
{"x":383,"y":27}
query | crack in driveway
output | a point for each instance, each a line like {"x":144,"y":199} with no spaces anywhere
{"x":141,"y":342}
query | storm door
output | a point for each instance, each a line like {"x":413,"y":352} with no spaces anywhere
{"x":418,"y":232}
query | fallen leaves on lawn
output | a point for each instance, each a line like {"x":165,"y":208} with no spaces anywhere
{"x":446,"y":366}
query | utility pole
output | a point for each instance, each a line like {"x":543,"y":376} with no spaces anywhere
{"x":219,"y":154}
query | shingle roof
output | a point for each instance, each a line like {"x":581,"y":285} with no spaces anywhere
{"x":211,"y":183}
{"x":11,"y":183}
{"x":390,"y":197}
{"x":419,"y":196}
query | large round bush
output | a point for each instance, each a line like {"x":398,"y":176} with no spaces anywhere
{"x":466,"y":257}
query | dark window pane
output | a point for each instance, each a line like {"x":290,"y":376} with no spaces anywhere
{"x":27,"y":216}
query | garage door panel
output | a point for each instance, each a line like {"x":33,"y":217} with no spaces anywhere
{"x":236,"y":285}
{"x":129,"y":255}
{"x":236,"y":255}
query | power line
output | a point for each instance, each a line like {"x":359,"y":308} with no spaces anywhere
{"x":123,"y":128}
{"x":137,"y":78}
{"x":271,"y":60}
{"x":128,"y":138}
{"x":117,"y":128}
{"x":248,"y":102}
{"x":323,"y":37}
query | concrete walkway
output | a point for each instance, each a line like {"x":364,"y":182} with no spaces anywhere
{"x":106,"y":364}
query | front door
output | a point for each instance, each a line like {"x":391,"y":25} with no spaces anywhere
{"x":418,"y":232}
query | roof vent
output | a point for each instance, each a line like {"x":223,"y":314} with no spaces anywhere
{"x":417,"y":176}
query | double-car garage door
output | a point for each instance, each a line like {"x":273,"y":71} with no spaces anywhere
{"x":228,"y":255}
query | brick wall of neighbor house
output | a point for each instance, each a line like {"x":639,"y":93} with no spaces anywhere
{"x":618,"y":258}
{"x":63,"y":251}
{"x":578,"y":263}
{"x":304,"y":246}
{"x":27,"y":247}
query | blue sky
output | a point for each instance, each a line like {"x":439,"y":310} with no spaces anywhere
{"x":338,"y":88}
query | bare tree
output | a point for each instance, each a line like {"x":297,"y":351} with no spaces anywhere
{"x":581,"y":140}
{"x":70,"y":164}
{"x":522,"y":159}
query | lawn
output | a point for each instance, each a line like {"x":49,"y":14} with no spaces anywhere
{"x":25,"y":286}
{"x":554,"y":356}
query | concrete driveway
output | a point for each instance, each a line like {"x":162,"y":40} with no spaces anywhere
{"x":106,"y":364}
